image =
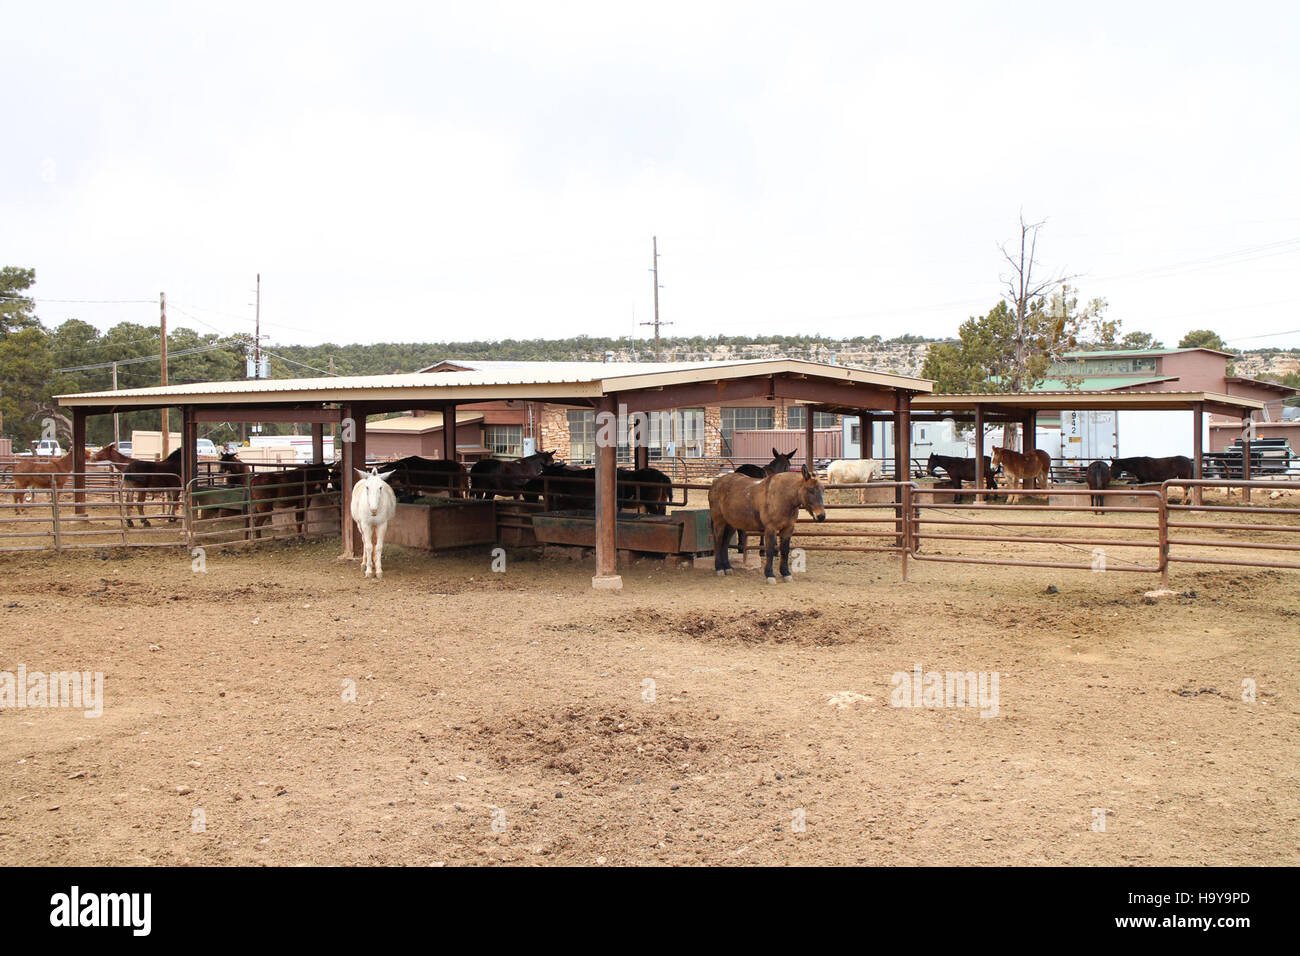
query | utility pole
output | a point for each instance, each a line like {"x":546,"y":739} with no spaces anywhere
{"x":257,"y":332}
{"x":656,"y":323}
{"x":117,"y":431}
{"x":162,"y":305}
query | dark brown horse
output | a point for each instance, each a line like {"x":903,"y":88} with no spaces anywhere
{"x":145,"y":476}
{"x":1098,"y":478}
{"x":960,"y":469}
{"x":768,"y":506}
{"x":290,"y":488}
{"x":574,"y":489}
{"x":779,"y":464}
{"x":413,"y":475}
{"x":1151,"y":470}
{"x":496,"y":476}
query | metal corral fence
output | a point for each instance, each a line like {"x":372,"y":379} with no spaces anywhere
{"x":268,"y":502}
{"x":110,"y":513}
{"x":1227,"y":533}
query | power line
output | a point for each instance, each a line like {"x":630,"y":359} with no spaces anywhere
{"x":299,"y":364}
{"x":195,"y":350}
{"x":29,"y":298}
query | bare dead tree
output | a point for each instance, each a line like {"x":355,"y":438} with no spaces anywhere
{"x":1024,"y":292}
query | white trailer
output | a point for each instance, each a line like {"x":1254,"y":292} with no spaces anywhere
{"x":1091,"y":435}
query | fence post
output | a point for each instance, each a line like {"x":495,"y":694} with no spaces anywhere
{"x":1162,"y":519}
{"x":54,"y":513}
{"x":907,"y":527}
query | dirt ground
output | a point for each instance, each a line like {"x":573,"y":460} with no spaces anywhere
{"x":519,"y":717}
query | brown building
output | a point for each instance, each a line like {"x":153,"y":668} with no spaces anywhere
{"x":1178,"y":370}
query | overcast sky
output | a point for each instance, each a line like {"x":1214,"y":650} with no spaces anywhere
{"x":441,"y":171}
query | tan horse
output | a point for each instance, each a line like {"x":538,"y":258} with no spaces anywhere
{"x":1028,"y":468}
{"x":768,"y":506}
{"x":40,"y":473}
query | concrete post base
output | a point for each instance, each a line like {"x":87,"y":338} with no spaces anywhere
{"x":613,"y":582}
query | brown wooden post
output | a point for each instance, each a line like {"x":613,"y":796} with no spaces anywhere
{"x":640,"y":439}
{"x":902,"y":456}
{"x":318,"y":443}
{"x":865,"y":438}
{"x":354,"y":457}
{"x":979,"y":452}
{"x":78,"y":461}
{"x":1030,"y":444}
{"x":189,"y":461}
{"x":1198,"y":426}
{"x":809,"y":439}
{"x":607,"y":577}
{"x":1246,"y":425}
{"x":449,"y":432}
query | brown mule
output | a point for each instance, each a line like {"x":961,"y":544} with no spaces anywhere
{"x":768,"y":506}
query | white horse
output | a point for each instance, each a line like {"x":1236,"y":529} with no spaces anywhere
{"x":852,"y":471}
{"x":373,"y":506}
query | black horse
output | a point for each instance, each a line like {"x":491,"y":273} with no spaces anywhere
{"x":490,"y":477}
{"x":778,"y":465}
{"x":574,"y":489}
{"x":145,"y":476}
{"x":1150,"y":470}
{"x":1098,"y":478}
{"x":960,"y":469}
{"x":413,"y":475}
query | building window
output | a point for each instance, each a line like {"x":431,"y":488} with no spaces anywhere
{"x":680,"y":431}
{"x":744,"y":419}
{"x":680,"y":428}
{"x":582,"y":437}
{"x":796,"y":416}
{"x":505,"y":441}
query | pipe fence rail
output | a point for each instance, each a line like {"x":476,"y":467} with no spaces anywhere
{"x":1135,"y":529}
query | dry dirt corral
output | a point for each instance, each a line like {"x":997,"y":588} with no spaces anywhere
{"x":523,"y":693}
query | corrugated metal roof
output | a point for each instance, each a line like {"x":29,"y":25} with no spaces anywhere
{"x":591,"y":378}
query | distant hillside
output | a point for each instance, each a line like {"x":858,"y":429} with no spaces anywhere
{"x":904,"y":355}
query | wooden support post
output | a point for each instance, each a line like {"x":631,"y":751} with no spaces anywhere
{"x":1247,"y":426}
{"x":189,"y":462}
{"x":449,"y":432}
{"x":353,"y":434}
{"x":318,"y":443}
{"x":1198,"y":426}
{"x":78,"y":462}
{"x":979,"y":452}
{"x":902,"y":456}
{"x":1030,"y":444}
{"x":809,"y":439}
{"x":865,"y":438}
{"x":607,"y":577}
{"x":640,"y":439}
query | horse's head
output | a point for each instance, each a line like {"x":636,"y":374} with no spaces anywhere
{"x":930,"y":465}
{"x":371,"y":488}
{"x":780,"y":463}
{"x":810,"y":494}
{"x":997,"y":456}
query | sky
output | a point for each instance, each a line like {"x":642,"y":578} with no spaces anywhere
{"x":438,"y":171}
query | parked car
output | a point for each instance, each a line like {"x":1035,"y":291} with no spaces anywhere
{"x":206,"y":447}
{"x":125,"y":447}
{"x":47,"y":448}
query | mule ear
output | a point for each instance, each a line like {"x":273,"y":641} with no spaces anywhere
{"x":775,"y":453}
{"x":363,"y":475}
{"x":803,"y":470}
{"x":385,"y":476}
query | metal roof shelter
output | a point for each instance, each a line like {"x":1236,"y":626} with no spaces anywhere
{"x":612,"y":388}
